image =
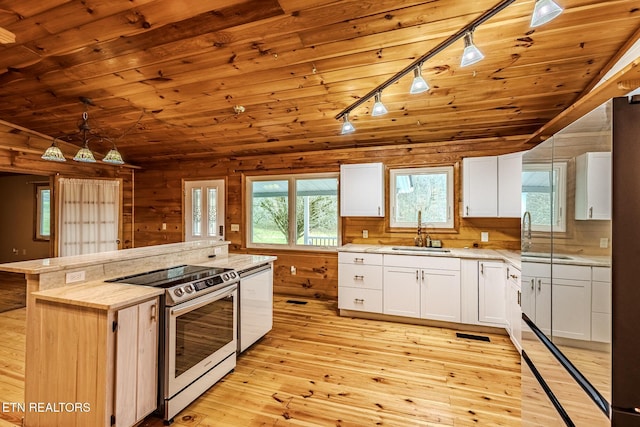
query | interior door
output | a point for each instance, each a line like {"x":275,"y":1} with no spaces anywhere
{"x":203,"y":208}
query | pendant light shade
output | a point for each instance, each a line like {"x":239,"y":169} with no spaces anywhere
{"x":471,"y":53}
{"x":378,"y":107}
{"x":544,"y":11}
{"x":113,"y":157}
{"x":347,"y":127}
{"x":419,"y":84}
{"x":53,"y":153}
{"x":84,"y":155}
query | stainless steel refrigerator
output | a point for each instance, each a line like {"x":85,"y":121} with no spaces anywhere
{"x":581,"y":272}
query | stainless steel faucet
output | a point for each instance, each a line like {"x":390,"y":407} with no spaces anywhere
{"x":526,"y":231}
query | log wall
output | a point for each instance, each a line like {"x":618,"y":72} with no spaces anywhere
{"x":159,"y":201}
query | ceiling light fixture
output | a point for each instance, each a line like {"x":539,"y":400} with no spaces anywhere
{"x":467,"y":34}
{"x":347,"y":127}
{"x":419,"y":84}
{"x":54,"y":153}
{"x":84,"y":154}
{"x":544,"y":11}
{"x":378,"y":107}
{"x":471,"y":53}
{"x":113,"y":157}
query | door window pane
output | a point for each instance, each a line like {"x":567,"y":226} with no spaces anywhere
{"x":270,"y":212}
{"x":196,"y":211}
{"x":317,"y":212}
{"x":212,"y":200}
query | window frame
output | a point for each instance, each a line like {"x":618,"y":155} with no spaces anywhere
{"x":560,"y":226}
{"x":292,"y":194}
{"x":449,"y":225}
{"x":38,"y":217}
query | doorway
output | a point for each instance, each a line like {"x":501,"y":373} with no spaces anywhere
{"x":203,"y":207}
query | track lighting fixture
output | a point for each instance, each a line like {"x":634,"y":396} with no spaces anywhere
{"x":419,"y":84}
{"x":347,"y":127}
{"x":471,"y":53}
{"x":544,"y":11}
{"x":378,"y":107}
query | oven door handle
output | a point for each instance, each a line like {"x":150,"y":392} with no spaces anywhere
{"x":202,"y":301}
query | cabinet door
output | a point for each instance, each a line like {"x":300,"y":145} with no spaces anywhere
{"x":528,"y":298}
{"x":440,"y":295}
{"x":480,"y":186}
{"x":401,"y":293}
{"x":491,"y":293}
{"x":515,"y":314}
{"x":510,"y":185}
{"x":147,"y":379}
{"x":543,"y":304}
{"x":593,"y":186}
{"x":362,"y":190}
{"x":571,"y":309}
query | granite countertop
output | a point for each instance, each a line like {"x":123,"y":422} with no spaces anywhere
{"x":514,"y":258}
{"x":238,"y":261}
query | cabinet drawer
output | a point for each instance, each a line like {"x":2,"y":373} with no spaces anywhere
{"x":359,"y":258}
{"x":601,"y":274}
{"x":426,"y":261}
{"x":601,"y":297}
{"x":572,"y":272}
{"x":601,"y":327}
{"x":536,"y":269}
{"x":360,"y":299}
{"x":360,"y":276}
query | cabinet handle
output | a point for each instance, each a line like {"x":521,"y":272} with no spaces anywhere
{"x":358,"y":260}
{"x":514,"y":276}
{"x":423,"y":275}
{"x":532,"y":284}
{"x":481,"y":268}
{"x":591,"y":212}
{"x":358,"y":301}
{"x":356,"y":277}
{"x":539,"y":284}
{"x":519,"y":298}
{"x":417,"y":277}
{"x":507,"y":273}
{"x":467,"y":211}
{"x":154,"y":312}
{"x":378,"y":210}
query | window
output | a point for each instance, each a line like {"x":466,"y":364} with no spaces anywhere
{"x":543,"y":195}
{"x":43,"y":212}
{"x":425,"y":190}
{"x":311,"y":199}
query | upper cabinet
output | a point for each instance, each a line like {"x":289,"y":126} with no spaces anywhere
{"x":593,"y":185}
{"x":362,"y":190}
{"x":491,"y":186}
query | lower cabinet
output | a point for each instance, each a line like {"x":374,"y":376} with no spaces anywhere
{"x":491,"y":293}
{"x":514,"y":311}
{"x":102,"y":362}
{"x":360,"y":282}
{"x":401,"y":296}
{"x":601,"y":304}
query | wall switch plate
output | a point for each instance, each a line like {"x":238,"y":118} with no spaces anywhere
{"x":484,"y":236}
{"x":164,"y":225}
{"x":604,"y":242}
{"x":365,"y":234}
{"x":235,"y":227}
{"x":293,"y":270}
{"x":76,"y":276}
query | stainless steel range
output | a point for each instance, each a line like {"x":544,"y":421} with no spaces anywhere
{"x":198,"y":338}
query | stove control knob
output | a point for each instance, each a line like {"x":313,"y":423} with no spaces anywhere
{"x":189,"y":289}
{"x":209,"y":282}
{"x":233,"y":274}
{"x":178,"y":292}
{"x":225,"y":276}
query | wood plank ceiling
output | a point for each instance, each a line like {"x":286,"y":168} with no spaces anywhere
{"x":293,"y":64}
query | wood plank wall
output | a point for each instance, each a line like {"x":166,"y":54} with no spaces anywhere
{"x":158,"y":201}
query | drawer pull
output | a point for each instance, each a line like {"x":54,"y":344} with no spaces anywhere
{"x":358,"y":260}
{"x":532,"y":283}
{"x":358,"y":301}
{"x":513,"y":276}
{"x":356,"y":277}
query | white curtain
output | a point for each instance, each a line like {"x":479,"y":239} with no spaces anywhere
{"x":88,"y":219}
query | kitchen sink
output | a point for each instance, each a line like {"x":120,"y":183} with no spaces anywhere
{"x":547,"y":256}
{"x":420,"y":249}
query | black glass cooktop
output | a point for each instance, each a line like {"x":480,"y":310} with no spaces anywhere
{"x":169,"y":277}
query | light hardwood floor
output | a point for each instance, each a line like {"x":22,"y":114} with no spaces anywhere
{"x":318,"y":369}
{"x":12,"y":291}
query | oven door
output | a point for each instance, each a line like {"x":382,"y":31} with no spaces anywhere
{"x":200,"y":334}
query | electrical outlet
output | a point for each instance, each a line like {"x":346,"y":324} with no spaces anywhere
{"x":76,"y":276}
{"x":217,"y":251}
{"x":484,"y":236}
{"x":293,"y":270}
{"x":604,"y":242}
{"x":365,"y":234}
{"x":164,"y":225}
{"x":235,"y":227}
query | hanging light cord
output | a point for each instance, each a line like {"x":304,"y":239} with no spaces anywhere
{"x":439,"y":48}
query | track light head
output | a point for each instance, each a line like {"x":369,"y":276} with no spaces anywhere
{"x":471,"y":53}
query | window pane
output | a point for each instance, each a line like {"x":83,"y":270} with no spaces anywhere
{"x":44,"y":225}
{"x":317,"y":212}
{"x":421,"y":192}
{"x":212,"y":204}
{"x":542,"y":193}
{"x":196,"y":211}
{"x":270,"y":212}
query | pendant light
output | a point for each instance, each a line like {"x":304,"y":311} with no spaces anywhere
{"x":471,"y":53}
{"x":84,"y":154}
{"x":113,"y":157}
{"x":544,"y":11}
{"x":378,"y":107}
{"x":54,"y":153}
{"x":419,"y":84}
{"x":347,"y":127}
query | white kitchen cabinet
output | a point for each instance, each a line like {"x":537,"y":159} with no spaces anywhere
{"x":422,"y":286}
{"x":491,"y":293}
{"x":256,"y":304}
{"x":571,"y":302}
{"x":480,"y":186}
{"x":601,"y":304}
{"x":362,"y":190}
{"x":536,"y":294}
{"x":492,"y":185}
{"x":360,"y":281}
{"x":514,"y":312}
{"x":593,"y":186}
